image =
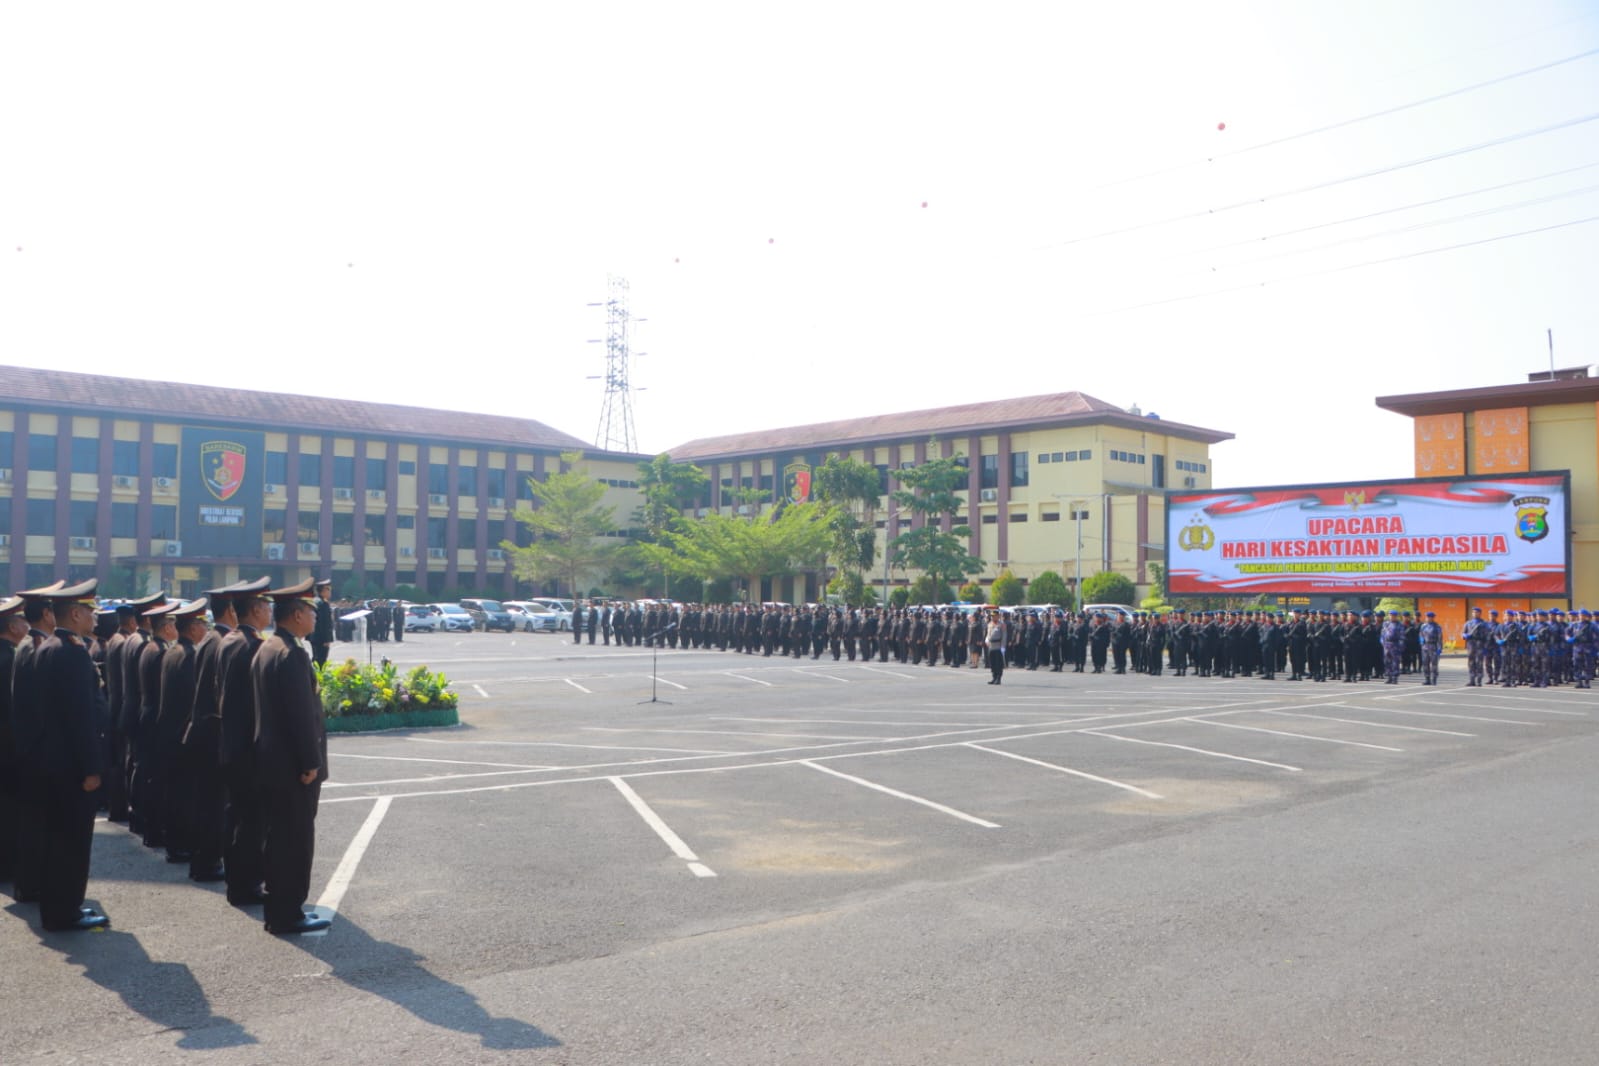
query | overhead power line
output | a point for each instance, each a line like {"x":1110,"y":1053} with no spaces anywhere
{"x":1317,"y":186}
{"x":1342,"y":123}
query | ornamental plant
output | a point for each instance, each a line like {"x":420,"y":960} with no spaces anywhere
{"x":349,"y":688}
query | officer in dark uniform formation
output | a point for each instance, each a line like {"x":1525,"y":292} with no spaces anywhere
{"x":132,"y":649}
{"x":322,"y":632}
{"x":151,"y":784}
{"x":242,"y":831}
{"x":202,"y":744}
{"x":38,"y":612}
{"x":61,"y":734}
{"x":13,"y":630}
{"x":178,"y":670}
{"x":291,"y":758}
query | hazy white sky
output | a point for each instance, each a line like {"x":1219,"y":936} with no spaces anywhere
{"x":413,"y":203}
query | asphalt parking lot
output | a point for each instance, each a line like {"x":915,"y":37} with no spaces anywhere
{"x":784,"y":860}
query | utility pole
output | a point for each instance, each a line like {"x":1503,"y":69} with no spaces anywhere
{"x":615,"y":432}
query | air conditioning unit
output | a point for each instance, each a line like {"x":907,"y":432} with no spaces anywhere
{"x":174,"y":547}
{"x":497,"y":553}
{"x":310,"y":547}
{"x":496,"y":501}
{"x":122,"y":481}
{"x":988,"y":495}
{"x":436,"y":553}
{"x":743,"y":508}
{"x":83,"y":543}
{"x":1190,"y":481}
{"x":344,"y":494}
{"x":5,"y":540}
{"x":270,"y":488}
{"x":374,"y":494}
{"x":701,"y":512}
{"x":407,"y":553}
{"x":438,"y":497}
{"x":275,"y":551}
{"x":163,"y":483}
{"x":5,"y":473}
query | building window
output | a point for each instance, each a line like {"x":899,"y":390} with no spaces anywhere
{"x":1018,"y":470}
{"x":164,"y":522}
{"x":466,"y":533}
{"x":438,"y":479}
{"x":41,"y":452}
{"x":273,"y":524}
{"x":1057,"y":456}
{"x":41,"y":518}
{"x":124,"y":520}
{"x":343,"y":528}
{"x":405,"y":521}
{"x":81,"y":518}
{"x":1043,"y":457}
{"x":1049,"y":516}
{"x":437,"y":531}
{"x":377,"y":473}
{"x":1018,"y":516}
{"x":496,"y":482}
{"x":275,"y":471}
{"x":882,"y":479}
{"x":991,"y":520}
{"x":766,"y":483}
{"x":407,"y":468}
{"x":988,"y":473}
{"x":5,"y":515}
{"x":466,"y":480}
{"x":85,"y":459}
{"x":8,"y":441}
{"x":1085,"y":454}
{"x":343,"y":474}
{"x":373,"y":530}
{"x":524,"y":486}
{"x":309,"y":468}
{"x":904,"y":523}
{"x":308,"y":525}
{"x":124,"y":458}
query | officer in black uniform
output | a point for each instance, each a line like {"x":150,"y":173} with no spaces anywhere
{"x":13,"y":630}
{"x":202,"y":744}
{"x":322,"y":631}
{"x":242,"y":831}
{"x":291,"y":758}
{"x":61,"y":734}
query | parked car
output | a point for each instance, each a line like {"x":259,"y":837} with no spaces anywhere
{"x":421,"y":618}
{"x":534,"y":617}
{"x":453,"y":617}
{"x":562,"y":609}
{"x":489,"y":614}
{"x":1110,"y":610}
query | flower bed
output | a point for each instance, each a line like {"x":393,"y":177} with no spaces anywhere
{"x":360,"y":698}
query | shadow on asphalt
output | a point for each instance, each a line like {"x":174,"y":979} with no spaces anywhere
{"x":164,"y":992}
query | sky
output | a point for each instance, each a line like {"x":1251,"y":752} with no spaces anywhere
{"x":1227,"y":214}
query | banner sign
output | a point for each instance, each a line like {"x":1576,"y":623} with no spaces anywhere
{"x":1491,"y":535}
{"x":220,"y":492}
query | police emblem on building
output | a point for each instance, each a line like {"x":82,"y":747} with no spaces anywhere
{"x":1532,"y":518}
{"x":797,"y":482}
{"x":222,"y":467}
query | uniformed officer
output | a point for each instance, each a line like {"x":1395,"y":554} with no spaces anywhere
{"x":242,"y":833}
{"x":322,"y":632}
{"x":13,"y":630}
{"x":132,"y":649}
{"x":290,"y":758}
{"x":61,"y":741}
{"x":1476,"y":634}
{"x":38,"y":613}
{"x":202,"y":744}
{"x":1431,"y":635}
{"x":151,"y":783}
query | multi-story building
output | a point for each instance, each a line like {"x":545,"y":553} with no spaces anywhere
{"x":190,"y":487}
{"x":1062,"y":482}
{"x":1550,"y":422}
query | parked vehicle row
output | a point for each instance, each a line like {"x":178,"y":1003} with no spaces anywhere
{"x":538,"y":615}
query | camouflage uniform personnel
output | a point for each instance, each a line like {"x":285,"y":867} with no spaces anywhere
{"x":1431,"y":635}
{"x":1476,"y":634}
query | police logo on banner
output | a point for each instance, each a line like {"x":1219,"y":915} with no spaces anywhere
{"x":222,"y":467}
{"x":797,"y":482}
{"x":1532,"y":518}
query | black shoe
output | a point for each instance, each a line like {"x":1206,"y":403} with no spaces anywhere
{"x":306,"y":924}
{"x":247,"y":899}
{"x":85,"y":921}
{"x":176,"y":857}
{"x":210,"y":876}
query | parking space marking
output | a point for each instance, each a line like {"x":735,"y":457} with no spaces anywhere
{"x":817,"y":673}
{"x":1285,"y":733}
{"x":344,"y":873}
{"x":962,"y":815}
{"x":1374,"y":725}
{"x":662,"y":830}
{"x":890,"y":673}
{"x":855,"y":721}
{"x":1197,"y":751}
{"x":577,"y":686}
{"x":728,"y":733}
{"x":1444,"y":714}
{"x":1067,"y":770}
{"x":480,"y":690}
{"x":743,"y":677}
{"x":564,"y":744}
{"x":664,"y":681}
{"x":446,"y":762}
{"x":1525,"y":710}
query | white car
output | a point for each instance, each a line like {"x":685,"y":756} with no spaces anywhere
{"x":534,"y":617}
{"x":453,"y":617}
{"x":421,"y":618}
{"x":562,"y":609}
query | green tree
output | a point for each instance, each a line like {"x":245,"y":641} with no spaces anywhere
{"x":972,"y":592}
{"x":569,"y":528}
{"x":718,"y":546}
{"x":1401,"y":604}
{"x":899,"y":597}
{"x":850,"y":490}
{"x":930,"y":493}
{"x":1107,"y":586}
{"x":1049,"y":587}
{"x":1007,"y":590}
{"x":668,"y":488}
{"x":852,"y":589}
{"x":928,"y":589}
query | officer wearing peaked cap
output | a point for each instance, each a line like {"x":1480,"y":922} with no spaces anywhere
{"x":242,"y":832}
{"x":290,"y":758}
{"x":150,"y":781}
{"x":62,"y":742}
{"x":38,"y":613}
{"x":201,"y":744}
{"x":178,"y":667}
{"x":13,"y":628}
{"x":137,"y":635}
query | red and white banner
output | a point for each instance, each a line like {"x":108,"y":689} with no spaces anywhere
{"x":1492,"y":535}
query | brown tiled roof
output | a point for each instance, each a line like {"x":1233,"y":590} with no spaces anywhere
{"x":132,"y":397}
{"x":1056,"y":409}
{"x":1522,"y":394}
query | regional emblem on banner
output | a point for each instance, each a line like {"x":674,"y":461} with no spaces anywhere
{"x":1532,"y":523}
{"x":797,"y":482}
{"x":222,"y":467}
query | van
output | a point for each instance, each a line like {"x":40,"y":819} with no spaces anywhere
{"x":1111,"y":609}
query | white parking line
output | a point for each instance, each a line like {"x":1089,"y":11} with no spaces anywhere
{"x":727,"y":733}
{"x":662,"y":680}
{"x":480,"y":691}
{"x":339,"y":883}
{"x":890,"y":673}
{"x":1197,"y":751}
{"x":818,"y":673}
{"x":902,"y":795}
{"x":662,"y":830}
{"x":743,"y":677}
{"x":1441,"y":714}
{"x":1068,"y":770}
{"x":1525,"y":710}
{"x":447,"y":762}
{"x":855,"y":721}
{"x":577,"y":686}
{"x":1285,"y":733}
{"x":563,"y":744}
{"x":1375,"y":725}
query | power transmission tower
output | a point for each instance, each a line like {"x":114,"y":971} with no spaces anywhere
{"x":616,"y":413}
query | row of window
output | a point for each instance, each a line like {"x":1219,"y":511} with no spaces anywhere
{"x":1191,"y":467}
{"x":1065,"y":457}
{"x":1127,"y":457}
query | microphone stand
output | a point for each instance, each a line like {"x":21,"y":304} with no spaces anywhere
{"x":655,"y":657}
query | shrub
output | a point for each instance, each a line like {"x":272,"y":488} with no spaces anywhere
{"x":350,"y":689}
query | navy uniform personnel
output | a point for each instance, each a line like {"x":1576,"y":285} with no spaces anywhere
{"x":116,"y":785}
{"x":151,"y":784}
{"x":322,"y":632}
{"x":243,"y":832}
{"x":1475,"y":633}
{"x":13,"y":630}
{"x":291,"y":758}
{"x":132,"y":700}
{"x":38,"y":613}
{"x":202,"y":744}
{"x":178,"y":670}
{"x":61,"y":739}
